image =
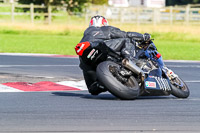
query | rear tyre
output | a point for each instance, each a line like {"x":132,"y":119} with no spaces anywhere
{"x":107,"y":74}
{"x":179,"y":88}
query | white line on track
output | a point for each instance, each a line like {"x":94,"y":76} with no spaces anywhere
{"x":193,"y":81}
{"x":184,"y":66}
{"x":77,"y":84}
{"x":4,"y":88}
{"x":182,"y":61}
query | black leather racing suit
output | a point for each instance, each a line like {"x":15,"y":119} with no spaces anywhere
{"x":119,"y":41}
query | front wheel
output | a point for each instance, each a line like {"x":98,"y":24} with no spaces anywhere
{"x":179,"y":88}
{"x":125,"y":88}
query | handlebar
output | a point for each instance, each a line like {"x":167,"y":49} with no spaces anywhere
{"x":145,"y":44}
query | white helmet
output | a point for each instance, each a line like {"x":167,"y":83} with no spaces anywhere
{"x":98,"y":21}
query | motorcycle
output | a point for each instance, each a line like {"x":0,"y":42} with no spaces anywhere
{"x":128,"y":79}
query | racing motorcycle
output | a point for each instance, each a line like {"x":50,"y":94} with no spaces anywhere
{"x":128,"y":79}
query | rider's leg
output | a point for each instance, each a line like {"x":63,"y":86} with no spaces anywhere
{"x":161,"y":64}
{"x":90,"y":78}
{"x":155,"y":56}
{"x":92,"y":84}
{"x":128,"y":50}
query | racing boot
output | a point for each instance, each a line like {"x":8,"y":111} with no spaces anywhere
{"x":96,"y":88}
{"x":170,"y":73}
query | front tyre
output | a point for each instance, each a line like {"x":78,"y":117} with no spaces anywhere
{"x":179,"y":88}
{"x":121,"y":87}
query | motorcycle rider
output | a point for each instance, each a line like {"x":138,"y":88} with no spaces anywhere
{"x":100,"y":32}
{"x":114,"y":38}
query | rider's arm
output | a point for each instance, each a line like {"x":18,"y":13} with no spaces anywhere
{"x":135,"y":36}
{"x":138,"y":36}
{"x":117,"y":33}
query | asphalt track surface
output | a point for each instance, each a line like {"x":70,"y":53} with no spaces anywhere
{"x":78,"y":111}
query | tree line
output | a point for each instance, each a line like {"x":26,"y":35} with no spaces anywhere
{"x":181,"y":2}
{"x":78,"y":5}
{"x":71,"y":5}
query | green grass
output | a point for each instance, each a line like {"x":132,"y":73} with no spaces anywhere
{"x":179,"y":46}
{"x":5,"y":8}
{"x":171,"y":45}
{"x":51,"y":44}
{"x":178,"y":42}
{"x":178,"y":50}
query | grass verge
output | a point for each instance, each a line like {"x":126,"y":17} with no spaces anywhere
{"x":182,"y":44}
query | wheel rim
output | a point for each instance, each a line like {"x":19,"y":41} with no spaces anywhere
{"x":180,"y":84}
{"x":129,"y":82}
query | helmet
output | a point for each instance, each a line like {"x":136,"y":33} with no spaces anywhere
{"x":98,"y":21}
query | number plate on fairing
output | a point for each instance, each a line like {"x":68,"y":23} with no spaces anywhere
{"x":157,"y":83}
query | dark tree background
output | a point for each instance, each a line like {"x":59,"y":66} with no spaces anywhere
{"x":181,"y":2}
{"x":99,"y":2}
{"x":78,"y":5}
{"x":72,"y":5}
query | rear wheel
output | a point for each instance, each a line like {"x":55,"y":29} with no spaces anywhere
{"x":125,"y":88}
{"x":179,"y":88}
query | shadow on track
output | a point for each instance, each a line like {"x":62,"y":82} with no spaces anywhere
{"x":105,"y":96}
{"x":102,"y":96}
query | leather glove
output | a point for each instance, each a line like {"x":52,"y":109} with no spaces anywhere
{"x":147,"y":37}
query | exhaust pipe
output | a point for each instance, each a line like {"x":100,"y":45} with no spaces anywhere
{"x":134,"y":68}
